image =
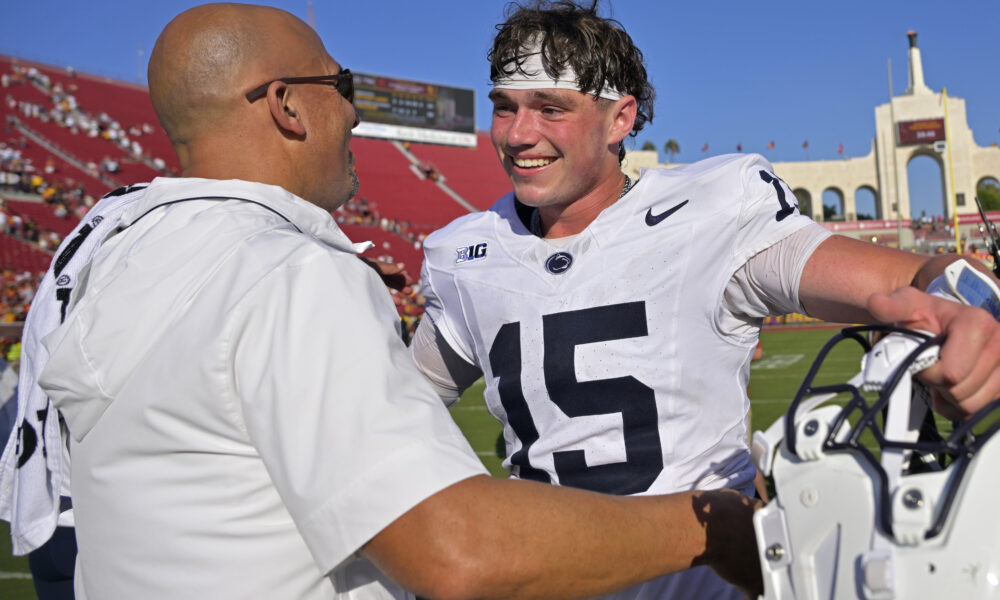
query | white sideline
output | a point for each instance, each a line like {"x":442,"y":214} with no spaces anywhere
{"x":12,"y":575}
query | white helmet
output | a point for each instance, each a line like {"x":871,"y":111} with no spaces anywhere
{"x":908,"y":518}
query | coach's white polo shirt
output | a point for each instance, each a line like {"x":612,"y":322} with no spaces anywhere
{"x":244,"y":416}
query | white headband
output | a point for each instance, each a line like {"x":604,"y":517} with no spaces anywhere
{"x":532,"y":75}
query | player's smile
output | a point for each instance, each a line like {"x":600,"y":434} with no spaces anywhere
{"x":531,"y":163}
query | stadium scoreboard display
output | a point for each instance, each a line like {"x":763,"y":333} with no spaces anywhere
{"x":398,"y":109}
{"x":920,"y":132}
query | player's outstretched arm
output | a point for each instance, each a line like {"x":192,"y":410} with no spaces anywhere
{"x":850,"y":281}
{"x":491,"y":538}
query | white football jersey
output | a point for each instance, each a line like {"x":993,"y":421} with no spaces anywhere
{"x":606,"y":358}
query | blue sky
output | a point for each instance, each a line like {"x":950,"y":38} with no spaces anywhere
{"x":726,"y":73}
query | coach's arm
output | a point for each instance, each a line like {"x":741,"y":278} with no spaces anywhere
{"x":493,"y":538}
{"x":850,"y":281}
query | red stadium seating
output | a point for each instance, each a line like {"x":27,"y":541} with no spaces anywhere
{"x":20,"y":256}
{"x":66,"y":174}
{"x":127,"y":103}
{"x":387,"y":245}
{"x":389,"y":181}
{"x":42,"y":215}
{"x":473,"y":173}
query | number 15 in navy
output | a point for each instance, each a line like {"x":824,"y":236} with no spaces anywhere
{"x":627,"y":396}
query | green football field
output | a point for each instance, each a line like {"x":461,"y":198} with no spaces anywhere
{"x":773,"y":383}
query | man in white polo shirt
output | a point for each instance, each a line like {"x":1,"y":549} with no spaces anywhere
{"x":245,"y":421}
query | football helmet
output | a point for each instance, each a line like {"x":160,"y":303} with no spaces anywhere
{"x":894,"y":515}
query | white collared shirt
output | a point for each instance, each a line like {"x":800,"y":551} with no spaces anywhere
{"x":243,"y":413}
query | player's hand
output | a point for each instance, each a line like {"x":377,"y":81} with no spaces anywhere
{"x":967,"y":376}
{"x":731,"y":550}
{"x":393,"y":275}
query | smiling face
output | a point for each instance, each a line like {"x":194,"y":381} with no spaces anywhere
{"x":559,"y":147}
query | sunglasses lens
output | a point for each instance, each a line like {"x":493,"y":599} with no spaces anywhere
{"x":345,"y":85}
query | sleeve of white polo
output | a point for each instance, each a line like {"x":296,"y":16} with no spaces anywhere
{"x":351,"y":434}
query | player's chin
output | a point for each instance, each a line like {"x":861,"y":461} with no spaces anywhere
{"x":530,"y":197}
{"x":532,"y":191}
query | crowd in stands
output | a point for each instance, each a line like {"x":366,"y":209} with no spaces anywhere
{"x":361,"y":211}
{"x":18,"y":290}
{"x":66,"y":112}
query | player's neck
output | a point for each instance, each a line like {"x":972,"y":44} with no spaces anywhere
{"x":572,"y":218}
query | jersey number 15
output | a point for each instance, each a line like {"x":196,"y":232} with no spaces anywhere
{"x":635,"y":401}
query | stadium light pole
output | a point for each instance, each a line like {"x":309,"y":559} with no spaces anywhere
{"x":138,"y":64}
{"x":895,"y":166}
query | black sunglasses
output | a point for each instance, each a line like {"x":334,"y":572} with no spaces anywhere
{"x":343,"y":81}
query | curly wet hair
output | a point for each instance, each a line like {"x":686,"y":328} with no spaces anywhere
{"x":598,"y":49}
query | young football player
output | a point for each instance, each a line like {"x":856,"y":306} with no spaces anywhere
{"x":615,"y":344}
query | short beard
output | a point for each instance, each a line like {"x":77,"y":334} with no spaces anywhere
{"x":355,"y":184}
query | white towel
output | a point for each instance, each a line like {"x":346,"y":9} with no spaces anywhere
{"x":34,"y":466}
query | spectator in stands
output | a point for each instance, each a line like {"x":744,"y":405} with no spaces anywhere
{"x":319,"y":441}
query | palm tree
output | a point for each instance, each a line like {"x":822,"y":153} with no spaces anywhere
{"x":672,"y":148}
{"x":648,"y":145}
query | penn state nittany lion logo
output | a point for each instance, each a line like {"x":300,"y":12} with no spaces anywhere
{"x":559,"y":263}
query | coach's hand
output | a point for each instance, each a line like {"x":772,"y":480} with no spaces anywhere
{"x":393,"y":274}
{"x":967,"y":376}
{"x":731,"y":549}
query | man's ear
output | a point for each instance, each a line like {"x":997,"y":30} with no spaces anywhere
{"x":281,"y":103}
{"x":622,"y":119}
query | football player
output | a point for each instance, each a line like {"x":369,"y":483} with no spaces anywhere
{"x":615,"y":319}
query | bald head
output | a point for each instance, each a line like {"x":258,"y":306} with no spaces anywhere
{"x":210,"y":55}
{"x":296,"y":136}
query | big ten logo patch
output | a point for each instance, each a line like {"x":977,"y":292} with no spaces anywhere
{"x":468,"y":253}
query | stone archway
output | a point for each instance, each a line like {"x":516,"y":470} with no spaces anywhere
{"x":804,"y":199}
{"x":867,"y":205}
{"x":926,"y":185}
{"x":833,"y":204}
{"x":988,"y":192}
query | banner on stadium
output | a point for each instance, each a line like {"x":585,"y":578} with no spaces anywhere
{"x":399,"y":109}
{"x":920,"y":132}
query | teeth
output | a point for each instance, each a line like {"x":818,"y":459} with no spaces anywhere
{"x":532,"y":162}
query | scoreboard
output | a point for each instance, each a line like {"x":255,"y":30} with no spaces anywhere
{"x":400,"y":109}
{"x":920,"y":132}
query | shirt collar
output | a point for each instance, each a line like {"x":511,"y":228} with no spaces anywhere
{"x":305,"y":216}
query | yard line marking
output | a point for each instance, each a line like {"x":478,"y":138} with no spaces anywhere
{"x":486,"y":453}
{"x":476,"y":408}
{"x":13,"y":575}
{"x":777,"y":361}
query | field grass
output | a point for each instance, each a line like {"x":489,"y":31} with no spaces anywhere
{"x":15,"y":580}
{"x":773,"y":383}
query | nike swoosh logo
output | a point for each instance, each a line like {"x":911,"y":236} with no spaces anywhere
{"x":652,"y":219}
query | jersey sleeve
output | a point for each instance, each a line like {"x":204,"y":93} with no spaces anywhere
{"x":768,"y":284}
{"x":769,"y":211}
{"x":351,"y":435}
{"x":447,"y":373}
{"x":444,"y":302}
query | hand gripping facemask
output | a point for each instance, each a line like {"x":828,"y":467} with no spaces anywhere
{"x":909,"y":516}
